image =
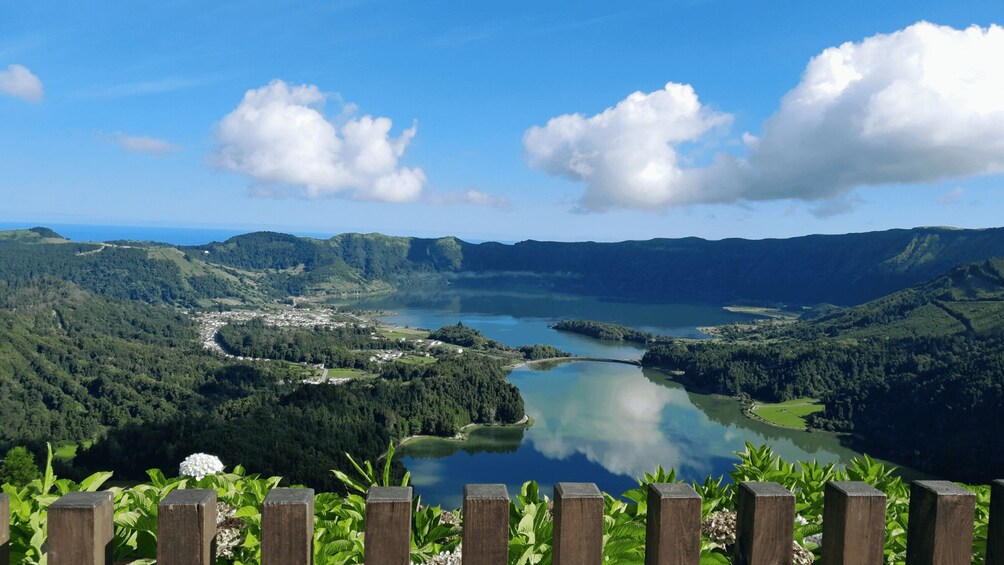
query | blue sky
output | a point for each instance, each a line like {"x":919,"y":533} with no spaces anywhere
{"x":112,"y":113}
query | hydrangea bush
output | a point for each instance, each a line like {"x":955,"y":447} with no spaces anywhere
{"x":198,"y":465}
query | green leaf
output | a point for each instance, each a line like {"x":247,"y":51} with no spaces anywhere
{"x":94,"y":482}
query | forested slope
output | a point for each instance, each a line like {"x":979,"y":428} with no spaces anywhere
{"x":93,"y":344}
{"x":306,"y":432}
{"x":73,"y":363}
{"x":154,"y":274}
{"x":76,"y":366}
{"x":266,"y":266}
{"x":840,"y":269}
{"x":918,"y":375}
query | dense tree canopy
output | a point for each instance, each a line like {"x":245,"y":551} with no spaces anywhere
{"x":94,"y":344}
{"x":918,"y":375}
{"x":18,"y":467}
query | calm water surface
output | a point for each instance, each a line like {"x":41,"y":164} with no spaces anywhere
{"x":593,"y":422}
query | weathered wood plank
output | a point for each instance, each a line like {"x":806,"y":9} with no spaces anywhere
{"x":578,"y":524}
{"x":941,"y":524}
{"x":80,"y":529}
{"x":673,"y":530}
{"x":186,"y":528}
{"x":995,"y":533}
{"x":486,"y":525}
{"x":388,"y":526}
{"x":766,"y":524}
{"x":287,"y":528}
{"x":4,"y":529}
{"x":853,"y":524}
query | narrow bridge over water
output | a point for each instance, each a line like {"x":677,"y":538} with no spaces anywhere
{"x":635,"y":362}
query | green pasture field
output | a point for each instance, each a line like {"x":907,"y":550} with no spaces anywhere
{"x":790,"y":414}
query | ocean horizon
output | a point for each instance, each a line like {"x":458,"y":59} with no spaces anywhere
{"x":160,"y":234}
{"x":164,"y":234}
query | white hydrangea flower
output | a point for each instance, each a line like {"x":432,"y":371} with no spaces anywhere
{"x":814,"y":539}
{"x":199,"y":465}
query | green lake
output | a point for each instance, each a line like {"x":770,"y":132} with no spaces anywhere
{"x":595,"y":422}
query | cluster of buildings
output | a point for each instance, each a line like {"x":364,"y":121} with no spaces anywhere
{"x":211,"y":322}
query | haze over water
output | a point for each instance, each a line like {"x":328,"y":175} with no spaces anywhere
{"x":593,"y":422}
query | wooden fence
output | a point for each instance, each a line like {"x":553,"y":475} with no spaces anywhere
{"x":941,"y":525}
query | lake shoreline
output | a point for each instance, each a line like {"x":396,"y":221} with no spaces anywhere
{"x":463,"y":434}
{"x":604,"y":422}
{"x":747,"y":411}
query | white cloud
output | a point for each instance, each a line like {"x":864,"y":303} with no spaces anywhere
{"x":615,"y":422}
{"x":19,"y":82}
{"x":951,"y":197}
{"x":279,"y":138}
{"x":471,"y":198}
{"x":144,"y":144}
{"x":627,"y":155}
{"x":139,"y":88}
{"x":919,"y":105}
{"x":836,"y":206}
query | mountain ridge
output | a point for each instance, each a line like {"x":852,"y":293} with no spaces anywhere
{"x":842,"y":269}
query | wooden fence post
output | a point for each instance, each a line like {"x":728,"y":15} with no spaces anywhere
{"x":486,"y":525}
{"x":4,"y":529}
{"x":388,"y":526}
{"x":765,"y":519}
{"x":673,"y":528}
{"x":578,"y":524}
{"x":287,"y":527}
{"x":186,"y":528}
{"x":81,"y":528}
{"x":995,"y":532}
{"x":941,"y":524}
{"x":853,"y":523}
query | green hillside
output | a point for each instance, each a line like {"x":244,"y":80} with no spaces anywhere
{"x":73,"y":364}
{"x":917,"y":375}
{"x":32,"y":235}
{"x":970,"y":300}
{"x":840,"y":269}
{"x":131,"y":382}
{"x":268,"y":266}
{"x":93,"y":344}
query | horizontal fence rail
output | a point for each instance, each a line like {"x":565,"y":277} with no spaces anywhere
{"x":941,"y":519}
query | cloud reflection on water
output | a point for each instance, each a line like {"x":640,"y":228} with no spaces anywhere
{"x":616,"y":420}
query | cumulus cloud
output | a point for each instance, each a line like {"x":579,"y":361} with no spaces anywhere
{"x":919,"y":105}
{"x":628,"y":154}
{"x":279,"y":137}
{"x":19,"y":82}
{"x":144,"y":144}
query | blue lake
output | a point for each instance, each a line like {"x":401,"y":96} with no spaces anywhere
{"x":592,"y":422}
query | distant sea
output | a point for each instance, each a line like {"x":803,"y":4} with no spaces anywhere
{"x":174,"y":236}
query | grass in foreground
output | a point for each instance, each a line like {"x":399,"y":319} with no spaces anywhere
{"x":790,"y":414}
